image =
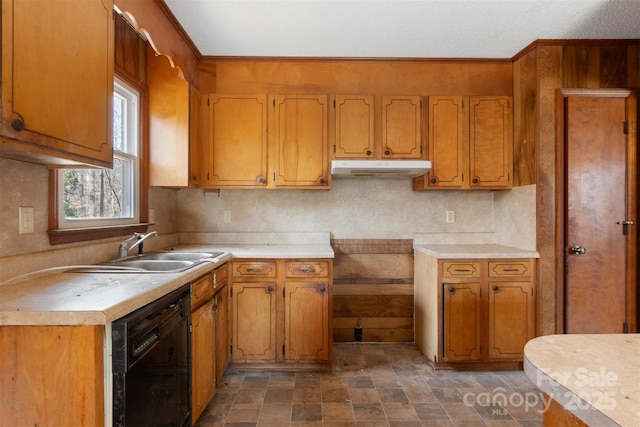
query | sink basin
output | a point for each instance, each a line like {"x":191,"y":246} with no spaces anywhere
{"x":179,"y":256}
{"x":155,"y":264}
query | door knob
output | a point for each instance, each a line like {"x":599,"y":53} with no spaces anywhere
{"x":577,"y":250}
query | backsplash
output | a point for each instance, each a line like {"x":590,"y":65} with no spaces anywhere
{"x":367,"y":208}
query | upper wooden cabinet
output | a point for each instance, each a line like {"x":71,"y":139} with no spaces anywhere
{"x":174,"y":125}
{"x":57,"y":82}
{"x":470,"y":143}
{"x":398,"y":125}
{"x":260,"y":141}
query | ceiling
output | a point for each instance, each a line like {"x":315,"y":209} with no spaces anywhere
{"x":397,"y":28}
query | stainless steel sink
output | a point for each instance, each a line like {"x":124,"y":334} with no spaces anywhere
{"x":153,"y":262}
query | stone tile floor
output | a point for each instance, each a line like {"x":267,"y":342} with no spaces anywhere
{"x":375,"y":385}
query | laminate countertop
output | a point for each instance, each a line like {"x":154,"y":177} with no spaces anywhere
{"x":596,"y":377}
{"x":473,"y":251}
{"x":59,"y":297}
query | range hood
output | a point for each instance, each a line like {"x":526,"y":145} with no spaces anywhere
{"x":380,"y":168}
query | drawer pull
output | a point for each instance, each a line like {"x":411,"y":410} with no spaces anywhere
{"x":305,"y":270}
{"x":512,"y":270}
{"x":461,"y":270}
{"x":254,"y":270}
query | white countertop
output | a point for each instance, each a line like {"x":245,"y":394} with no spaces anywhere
{"x":469,"y":251}
{"x":596,"y":377}
{"x":56,"y":297}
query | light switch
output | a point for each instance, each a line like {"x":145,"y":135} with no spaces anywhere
{"x":227,"y":216}
{"x":25,"y":220}
{"x":451,"y":217}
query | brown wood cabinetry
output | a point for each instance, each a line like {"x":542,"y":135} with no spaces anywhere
{"x":469,"y":143}
{"x":209,"y":337}
{"x":57,"y":97}
{"x":399,"y":127}
{"x":484,"y":310}
{"x":52,"y":375}
{"x":260,"y":141}
{"x":174,"y":122}
{"x":281,"y":312}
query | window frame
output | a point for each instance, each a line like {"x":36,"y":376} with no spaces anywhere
{"x":59,"y":235}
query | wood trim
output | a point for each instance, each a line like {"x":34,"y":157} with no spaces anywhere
{"x":571,"y":42}
{"x":212,"y":58}
{"x":178,"y":27}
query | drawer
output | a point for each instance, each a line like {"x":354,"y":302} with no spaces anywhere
{"x":452,"y":269}
{"x":220,"y":276}
{"x":254,"y":269}
{"x":511,"y":268}
{"x":306,"y":269}
{"x":201,"y":291}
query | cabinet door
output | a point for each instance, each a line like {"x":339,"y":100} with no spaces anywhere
{"x":401,"y":138}
{"x":463,"y":318}
{"x":57,"y":81}
{"x":353,"y":126}
{"x":511,"y":319}
{"x":254,"y":321}
{"x":490,"y":142}
{"x":306,"y":321}
{"x":298,"y":131}
{"x":169,"y":108}
{"x":235,"y":149}
{"x":203,"y":373}
{"x":447,"y":142}
{"x":222,"y":330}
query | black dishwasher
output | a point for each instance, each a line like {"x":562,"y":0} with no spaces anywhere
{"x":151,"y":363}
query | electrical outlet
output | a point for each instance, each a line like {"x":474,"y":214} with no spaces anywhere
{"x":227,"y":216}
{"x":451,"y":217}
{"x":25,"y":220}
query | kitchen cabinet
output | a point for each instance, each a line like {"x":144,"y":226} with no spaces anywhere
{"x":282,"y":312}
{"x":469,"y":143}
{"x":174,"y":126}
{"x":260,"y":141}
{"x":209,"y":337}
{"x":203,"y":346}
{"x":52,"y":375}
{"x":398,"y":121}
{"x":57,"y":96}
{"x":483,"y":309}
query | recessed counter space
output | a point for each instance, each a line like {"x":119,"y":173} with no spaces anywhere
{"x":471,"y":251}
{"x":595,"y":378}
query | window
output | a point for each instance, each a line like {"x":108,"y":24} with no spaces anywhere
{"x":107,"y":198}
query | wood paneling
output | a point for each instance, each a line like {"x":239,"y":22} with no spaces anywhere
{"x":373,"y":284}
{"x":545,"y":67}
{"x":130,"y":51}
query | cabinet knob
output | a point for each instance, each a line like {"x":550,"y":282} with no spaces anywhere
{"x":261,"y":180}
{"x":17,"y":125}
{"x":322,"y":181}
{"x":451,"y":290}
{"x":434,"y":180}
{"x":475,"y":180}
{"x":495,"y":288}
{"x":269,"y":288}
{"x":368,"y":152}
{"x":322,"y":289}
{"x":387,"y":151}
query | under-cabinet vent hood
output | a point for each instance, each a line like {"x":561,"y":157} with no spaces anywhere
{"x":380,"y":168}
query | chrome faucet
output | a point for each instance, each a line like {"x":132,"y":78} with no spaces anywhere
{"x":124,"y":247}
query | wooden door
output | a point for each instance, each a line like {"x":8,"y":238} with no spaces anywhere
{"x":353,"y":126}
{"x":511,"y":319}
{"x":203,"y":373}
{"x":254,"y":321}
{"x":306,"y":323}
{"x":298,"y":132}
{"x":463,"y":311}
{"x":448,"y":145}
{"x":235,"y":149}
{"x":222,"y":330}
{"x":57,"y":80}
{"x":600,"y":194}
{"x":401,"y":137}
{"x":490,"y":142}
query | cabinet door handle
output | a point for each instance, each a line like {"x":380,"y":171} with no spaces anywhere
{"x":322,"y":289}
{"x":451,"y":290}
{"x":495,"y":288}
{"x":17,"y":125}
{"x":269,"y":288}
{"x":368,"y":152}
{"x":475,"y":180}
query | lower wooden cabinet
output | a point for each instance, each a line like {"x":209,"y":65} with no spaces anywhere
{"x":209,"y":337}
{"x":281,"y":311}
{"x":474,"y":310}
